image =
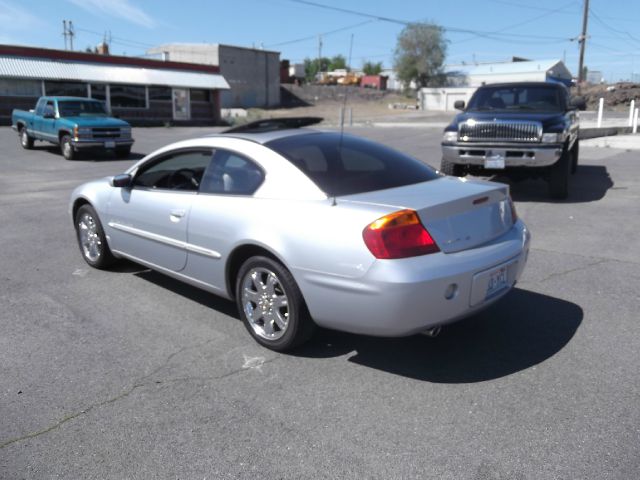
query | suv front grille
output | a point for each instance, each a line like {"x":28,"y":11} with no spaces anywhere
{"x":501,"y":131}
{"x":106,"y":132}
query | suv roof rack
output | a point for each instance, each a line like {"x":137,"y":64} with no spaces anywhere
{"x":272,"y":124}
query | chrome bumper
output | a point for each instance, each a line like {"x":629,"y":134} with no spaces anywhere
{"x":117,"y":142}
{"x":514,"y":156}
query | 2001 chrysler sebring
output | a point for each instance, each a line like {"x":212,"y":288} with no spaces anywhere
{"x":303,"y":228}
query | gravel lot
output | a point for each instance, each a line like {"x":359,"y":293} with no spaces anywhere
{"x":128,"y":374}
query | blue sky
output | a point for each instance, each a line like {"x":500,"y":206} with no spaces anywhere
{"x":480,"y":30}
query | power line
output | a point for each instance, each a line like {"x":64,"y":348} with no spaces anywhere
{"x":314,"y":37}
{"x":479,"y":33}
{"x":610,"y":28}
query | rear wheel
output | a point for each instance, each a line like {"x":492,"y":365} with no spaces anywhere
{"x":450,"y":168}
{"x":25,"y":140}
{"x":559,"y":176}
{"x":67,"y":148}
{"x":271,"y":304}
{"x":91,"y":238}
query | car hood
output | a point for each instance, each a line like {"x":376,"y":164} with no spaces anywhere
{"x":97,"y":121}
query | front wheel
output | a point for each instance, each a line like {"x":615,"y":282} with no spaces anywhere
{"x":91,"y":238}
{"x":123,"y":152}
{"x":26,"y":141}
{"x":67,"y":148}
{"x":575,"y":153}
{"x":271,"y":305}
{"x":559,"y":176}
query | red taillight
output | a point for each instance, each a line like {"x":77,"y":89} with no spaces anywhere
{"x":514,"y":214}
{"x":398,"y":235}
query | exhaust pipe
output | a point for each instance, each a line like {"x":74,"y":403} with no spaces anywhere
{"x":432,"y":332}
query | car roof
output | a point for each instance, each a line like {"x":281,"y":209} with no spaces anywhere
{"x":523,"y":84}
{"x":55,"y":97}
{"x":265,"y":137}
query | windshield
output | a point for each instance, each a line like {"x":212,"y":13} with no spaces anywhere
{"x":350,"y":165}
{"x":81,"y":108}
{"x":521,"y":98}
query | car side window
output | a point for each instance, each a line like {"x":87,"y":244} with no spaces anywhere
{"x":231,"y":174}
{"x":49,"y":108}
{"x":175,"y":171}
{"x":40,"y":106}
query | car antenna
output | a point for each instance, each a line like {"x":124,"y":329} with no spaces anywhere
{"x":344,"y":109}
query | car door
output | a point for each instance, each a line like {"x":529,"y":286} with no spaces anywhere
{"x":45,"y":123}
{"x":219,"y":213}
{"x":148,"y":221}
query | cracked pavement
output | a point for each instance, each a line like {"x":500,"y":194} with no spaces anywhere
{"x":128,"y":374}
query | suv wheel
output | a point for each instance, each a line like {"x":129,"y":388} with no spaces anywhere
{"x":559,"y":176}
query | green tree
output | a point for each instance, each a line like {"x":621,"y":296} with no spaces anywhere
{"x":370,"y":68}
{"x":312,"y":67}
{"x":338,"y":63}
{"x":419,"y":55}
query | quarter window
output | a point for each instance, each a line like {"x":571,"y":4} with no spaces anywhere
{"x":231,"y":174}
{"x":177,"y":171}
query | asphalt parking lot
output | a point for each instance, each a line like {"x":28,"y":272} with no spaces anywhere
{"x":128,"y":374}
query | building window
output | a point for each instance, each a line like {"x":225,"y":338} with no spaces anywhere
{"x":99,"y":91}
{"x":128,"y":96}
{"x":66,"y":89}
{"x":198,"y":95}
{"x":160,"y":93}
{"x":20,"y":88}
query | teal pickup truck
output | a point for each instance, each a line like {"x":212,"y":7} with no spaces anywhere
{"x":73,"y":123}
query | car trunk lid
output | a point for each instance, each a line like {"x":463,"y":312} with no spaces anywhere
{"x":458,"y":213}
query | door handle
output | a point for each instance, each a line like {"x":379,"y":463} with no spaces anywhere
{"x":176,"y":215}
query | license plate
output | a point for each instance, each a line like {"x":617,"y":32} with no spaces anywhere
{"x":498,"y":280}
{"x":494,"y":160}
{"x":109,"y":144}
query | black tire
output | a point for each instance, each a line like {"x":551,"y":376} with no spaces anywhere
{"x":26,"y":141}
{"x":575,"y":153}
{"x":123,"y":152}
{"x":253,"y":298}
{"x":66,"y":147}
{"x":91,"y":238}
{"x":449,"y":168}
{"x":559,"y":176}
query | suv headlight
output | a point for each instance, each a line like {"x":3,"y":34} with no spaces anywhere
{"x":552,"y":138}
{"x":450,"y":137}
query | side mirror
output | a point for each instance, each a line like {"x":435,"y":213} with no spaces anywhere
{"x":458,"y":104}
{"x":578,"y":103}
{"x":121,"y":181}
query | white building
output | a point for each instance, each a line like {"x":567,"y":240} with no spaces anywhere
{"x":464,"y":79}
{"x":253,"y":74}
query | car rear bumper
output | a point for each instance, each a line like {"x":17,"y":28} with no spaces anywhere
{"x":402,"y":297}
{"x":515,"y":156}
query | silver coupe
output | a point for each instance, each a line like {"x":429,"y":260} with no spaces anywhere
{"x":306,"y":228}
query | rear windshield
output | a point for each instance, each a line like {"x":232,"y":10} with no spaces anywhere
{"x":350,"y":165}
{"x":539,"y":98}
{"x":79,"y":108}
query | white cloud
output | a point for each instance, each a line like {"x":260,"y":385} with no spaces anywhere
{"x":15,"y":18}
{"x":117,"y":8}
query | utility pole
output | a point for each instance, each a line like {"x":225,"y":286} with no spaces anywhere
{"x":319,"y":55}
{"x":64,"y":33}
{"x":71,"y":34}
{"x":583,"y":39}
{"x":68,"y":31}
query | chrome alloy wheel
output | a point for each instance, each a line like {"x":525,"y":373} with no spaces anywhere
{"x":89,"y":237}
{"x":24,"y":138}
{"x":265,"y":303}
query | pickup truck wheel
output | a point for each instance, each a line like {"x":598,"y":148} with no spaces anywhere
{"x":449,"y":168}
{"x":575,"y":152}
{"x":25,"y":140}
{"x":559,"y":176}
{"x":67,"y":148}
{"x":123,"y":152}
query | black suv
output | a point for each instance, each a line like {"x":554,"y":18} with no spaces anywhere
{"x":529,"y":129}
